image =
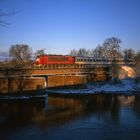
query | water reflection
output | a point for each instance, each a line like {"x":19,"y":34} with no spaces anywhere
{"x":19,"y":112}
{"x":61,"y":111}
{"x":63,"y":108}
{"x":136,"y":106}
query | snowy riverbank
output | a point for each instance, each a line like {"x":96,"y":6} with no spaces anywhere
{"x":125,"y":86}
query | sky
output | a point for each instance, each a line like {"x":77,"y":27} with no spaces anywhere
{"x":62,"y":25}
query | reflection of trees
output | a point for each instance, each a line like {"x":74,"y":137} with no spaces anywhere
{"x":61,"y":110}
{"x":19,"y":112}
{"x":115,"y":109}
{"x":99,"y":105}
{"x":136,"y":106}
{"x":103,"y":105}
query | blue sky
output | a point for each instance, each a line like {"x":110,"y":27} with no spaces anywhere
{"x":62,"y":25}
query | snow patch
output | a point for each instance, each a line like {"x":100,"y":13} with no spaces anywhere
{"x":125,"y":86}
{"x":21,"y":97}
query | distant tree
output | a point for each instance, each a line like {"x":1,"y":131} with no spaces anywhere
{"x":99,"y":51}
{"x":128,"y":53}
{"x":136,"y":61}
{"x":89,"y":52}
{"x":73,"y":52}
{"x":112,"y":47}
{"x":39,"y":52}
{"x":80,"y":52}
{"x":21,"y":58}
{"x":115,"y":70}
{"x":92,"y":52}
{"x":83,"y":52}
{"x":20,"y":54}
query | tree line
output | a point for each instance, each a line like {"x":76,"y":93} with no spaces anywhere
{"x":21,"y":55}
{"x":23,"y":58}
{"x":111,"y":48}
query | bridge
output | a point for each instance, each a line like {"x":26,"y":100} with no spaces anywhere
{"x":53,"y":76}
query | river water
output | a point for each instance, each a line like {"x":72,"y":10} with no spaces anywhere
{"x":96,"y":117}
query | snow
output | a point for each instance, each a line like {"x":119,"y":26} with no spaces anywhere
{"x":21,"y":97}
{"x":125,"y":86}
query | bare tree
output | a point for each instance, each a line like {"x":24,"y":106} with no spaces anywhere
{"x":20,"y":54}
{"x":21,"y":58}
{"x":91,"y":52}
{"x":80,"y":52}
{"x":112,"y":50}
{"x":128,"y":53}
{"x":137,"y":63}
{"x":83,"y":52}
{"x":39,"y":52}
{"x":112,"y":47}
{"x":99,"y":51}
{"x":73,"y":52}
{"x":115,"y":68}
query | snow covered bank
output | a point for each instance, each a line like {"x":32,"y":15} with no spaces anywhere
{"x":125,"y":86}
{"x":20,"y":97}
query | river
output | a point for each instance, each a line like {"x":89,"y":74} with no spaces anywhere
{"x":98,"y":117}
